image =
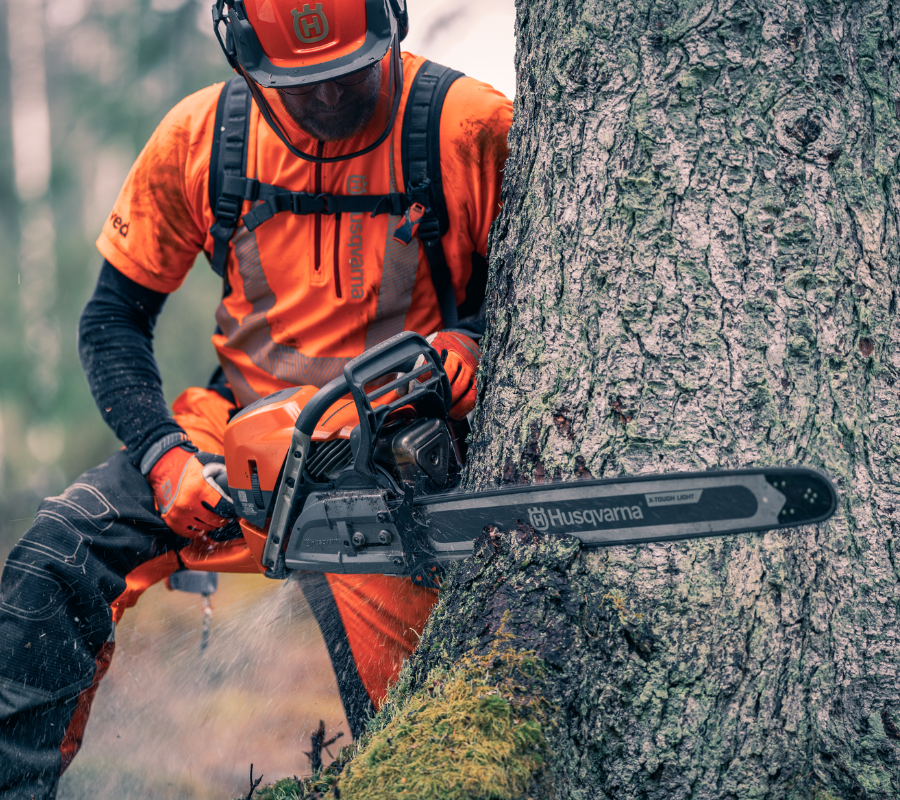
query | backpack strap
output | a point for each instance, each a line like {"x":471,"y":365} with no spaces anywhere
{"x":421,"y":157}
{"x":228,"y":160}
{"x":275,"y":200}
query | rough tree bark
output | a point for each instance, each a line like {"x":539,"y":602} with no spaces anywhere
{"x":696,"y":266}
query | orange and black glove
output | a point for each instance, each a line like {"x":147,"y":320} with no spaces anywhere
{"x":186,"y":500}
{"x":461,"y":366}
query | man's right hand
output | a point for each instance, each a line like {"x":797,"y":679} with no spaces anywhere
{"x":185,"y":500}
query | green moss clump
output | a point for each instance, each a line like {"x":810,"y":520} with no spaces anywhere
{"x":285,"y":789}
{"x":476,"y":732}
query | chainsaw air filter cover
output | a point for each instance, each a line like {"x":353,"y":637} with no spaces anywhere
{"x":421,"y":453}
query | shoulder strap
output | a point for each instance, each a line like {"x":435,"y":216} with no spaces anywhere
{"x":228,"y":158}
{"x":421,"y":157}
{"x":229,"y":187}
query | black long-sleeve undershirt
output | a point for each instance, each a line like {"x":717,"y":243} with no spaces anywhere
{"x":115,"y":344}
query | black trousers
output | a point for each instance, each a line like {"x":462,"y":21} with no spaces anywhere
{"x":56,"y":627}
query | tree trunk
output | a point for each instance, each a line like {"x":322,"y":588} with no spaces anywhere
{"x":696,"y":266}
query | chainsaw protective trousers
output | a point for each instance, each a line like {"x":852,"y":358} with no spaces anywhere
{"x":56,"y":617}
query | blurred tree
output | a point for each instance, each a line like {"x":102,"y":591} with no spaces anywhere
{"x":113,"y":69}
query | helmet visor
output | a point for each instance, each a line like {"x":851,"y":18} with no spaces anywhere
{"x":334,"y":121}
{"x":335,"y":117}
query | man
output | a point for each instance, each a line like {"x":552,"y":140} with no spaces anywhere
{"x":310,"y":282}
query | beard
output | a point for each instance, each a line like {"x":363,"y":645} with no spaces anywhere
{"x":346,"y":118}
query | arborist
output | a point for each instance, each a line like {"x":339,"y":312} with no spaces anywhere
{"x":344,"y":191}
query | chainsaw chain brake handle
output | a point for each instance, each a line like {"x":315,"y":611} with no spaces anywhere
{"x":398,"y":355}
{"x":431,"y":396}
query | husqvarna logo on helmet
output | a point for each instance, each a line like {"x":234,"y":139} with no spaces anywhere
{"x":310,"y":25}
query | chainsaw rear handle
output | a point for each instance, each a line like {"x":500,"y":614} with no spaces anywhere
{"x":398,"y":354}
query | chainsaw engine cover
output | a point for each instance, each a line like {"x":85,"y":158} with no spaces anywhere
{"x":346,"y":532}
{"x":257,"y":440}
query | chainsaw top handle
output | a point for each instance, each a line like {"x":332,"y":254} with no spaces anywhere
{"x":430,"y":396}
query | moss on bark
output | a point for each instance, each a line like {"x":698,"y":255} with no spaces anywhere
{"x":475,"y":730}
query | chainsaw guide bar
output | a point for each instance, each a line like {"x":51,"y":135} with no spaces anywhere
{"x":369,"y":533}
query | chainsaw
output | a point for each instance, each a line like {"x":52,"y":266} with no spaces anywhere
{"x":363,"y":476}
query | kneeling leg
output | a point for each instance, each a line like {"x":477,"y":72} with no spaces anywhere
{"x":56,"y":617}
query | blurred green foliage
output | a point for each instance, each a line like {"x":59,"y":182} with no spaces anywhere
{"x":114,"y":68}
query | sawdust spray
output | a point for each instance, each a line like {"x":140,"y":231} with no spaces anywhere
{"x":171,"y":723}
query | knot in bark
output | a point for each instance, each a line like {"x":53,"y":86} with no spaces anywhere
{"x":805,"y":130}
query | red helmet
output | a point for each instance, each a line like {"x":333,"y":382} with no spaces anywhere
{"x":288,"y":43}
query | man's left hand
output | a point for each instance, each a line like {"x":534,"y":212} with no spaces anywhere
{"x":461,"y":366}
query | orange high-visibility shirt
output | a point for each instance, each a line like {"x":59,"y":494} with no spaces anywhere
{"x":309,"y":292}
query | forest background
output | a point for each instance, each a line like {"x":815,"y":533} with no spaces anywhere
{"x":83,"y":83}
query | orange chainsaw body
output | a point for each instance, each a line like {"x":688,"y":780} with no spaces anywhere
{"x":256,"y":442}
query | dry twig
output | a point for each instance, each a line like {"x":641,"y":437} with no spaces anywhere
{"x":318,"y":743}
{"x":253,"y":784}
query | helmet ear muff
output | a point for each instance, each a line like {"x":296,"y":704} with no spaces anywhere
{"x":226,"y":42}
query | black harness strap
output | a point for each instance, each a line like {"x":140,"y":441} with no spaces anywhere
{"x":421,"y":149}
{"x":421,"y":159}
{"x":228,"y":160}
{"x":277,"y":200}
